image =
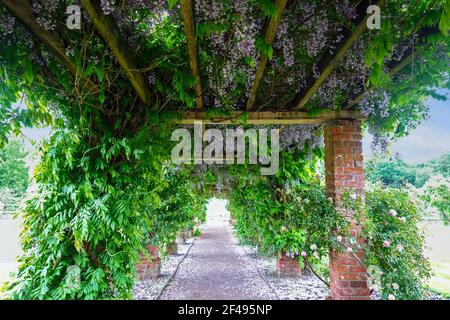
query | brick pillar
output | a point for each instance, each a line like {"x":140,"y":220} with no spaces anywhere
{"x":149,"y":269}
{"x":172,"y":248}
{"x":287,"y":266}
{"x":344,"y":170}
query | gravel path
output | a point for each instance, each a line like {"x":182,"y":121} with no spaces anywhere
{"x":215,"y":269}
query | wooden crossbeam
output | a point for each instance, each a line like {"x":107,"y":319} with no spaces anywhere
{"x":21,"y":9}
{"x":396,"y":67}
{"x":189,"y":30}
{"x":269,"y":36}
{"x":329,"y":62}
{"x":403,"y":63}
{"x":110,"y":32}
{"x":267,"y":117}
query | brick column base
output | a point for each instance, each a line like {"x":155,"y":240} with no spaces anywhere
{"x":172,"y":248}
{"x":149,"y":269}
{"x":344,"y":172}
{"x":288,"y":267}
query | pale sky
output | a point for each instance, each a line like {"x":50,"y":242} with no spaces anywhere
{"x":429,"y":141}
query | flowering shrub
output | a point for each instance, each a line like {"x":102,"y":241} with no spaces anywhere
{"x":395,"y":243}
{"x":295,"y":221}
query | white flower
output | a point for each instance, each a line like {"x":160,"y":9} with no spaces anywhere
{"x":349,"y":249}
{"x":283,"y":228}
{"x":339,"y":238}
{"x":303,"y":254}
{"x":393,"y":213}
{"x":391,"y":297}
{"x":395,"y":286}
{"x":313,"y":247}
{"x":316,"y":255}
{"x":402,"y":219}
{"x":400,"y":248}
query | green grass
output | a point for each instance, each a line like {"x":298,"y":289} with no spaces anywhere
{"x":438,"y":242}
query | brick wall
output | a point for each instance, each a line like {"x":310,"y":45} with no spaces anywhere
{"x":344,"y":171}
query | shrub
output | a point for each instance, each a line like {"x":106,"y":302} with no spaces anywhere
{"x":395,"y":243}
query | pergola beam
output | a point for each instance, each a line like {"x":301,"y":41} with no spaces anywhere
{"x":403,"y":63}
{"x":21,"y":9}
{"x":189,"y":30}
{"x":272,"y":27}
{"x":267,"y":117}
{"x":110,"y":32}
{"x":396,"y":67}
{"x":329,"y":62}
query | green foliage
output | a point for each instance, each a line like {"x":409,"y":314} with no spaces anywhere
{"x":437,"y":194}
{"x":288,"y":214}
{"x":444,"y":23}
{"x":13,"y":169}
{"x":394,"y":173}
{"x":90,"y":212}
{"x":181,"y":207}
{"x":395,"y":243}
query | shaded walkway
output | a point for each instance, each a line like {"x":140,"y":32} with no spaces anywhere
{"x":216,"y":268}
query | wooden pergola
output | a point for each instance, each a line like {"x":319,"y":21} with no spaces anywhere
{"x":295,"y":113}
{"x":343,"y":137}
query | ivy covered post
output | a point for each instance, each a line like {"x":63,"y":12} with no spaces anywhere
{"x":344,"y":171}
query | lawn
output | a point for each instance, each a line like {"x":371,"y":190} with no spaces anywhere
{"x":438,"y":250}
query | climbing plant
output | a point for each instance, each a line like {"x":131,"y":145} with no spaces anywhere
{"x":103,"y":187}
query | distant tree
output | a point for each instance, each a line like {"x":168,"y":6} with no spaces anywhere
{"x":13,"y":169}
{"x":441,"y":165}
{"x":394,"y":173}
{"x":436,"y":193}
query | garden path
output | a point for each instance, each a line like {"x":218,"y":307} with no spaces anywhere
{"x":216,"y":268}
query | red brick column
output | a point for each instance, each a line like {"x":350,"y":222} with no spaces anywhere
{"x":344,"y":171}
{"x":287,"y":266}
{"x":149,"y":269}
{"x":172,"y":248}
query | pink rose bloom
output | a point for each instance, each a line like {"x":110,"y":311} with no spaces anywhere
{"x":386,"y":243}
{"x":393,"y":213}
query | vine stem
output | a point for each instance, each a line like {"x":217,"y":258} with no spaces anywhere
{"x":315,"y":273}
